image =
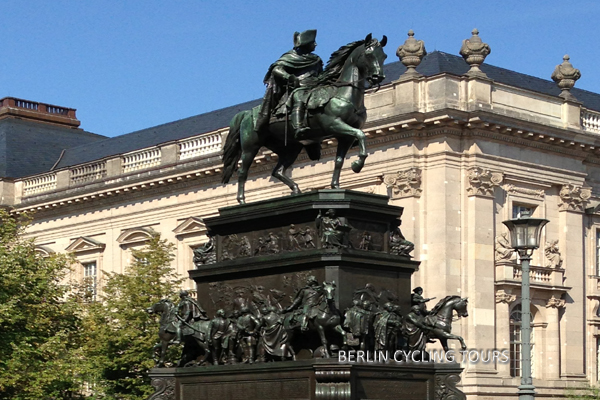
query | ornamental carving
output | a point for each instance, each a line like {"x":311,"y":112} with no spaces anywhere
{"x":503,"y":297}
{"x":502,"y":249}
{"x":333,"y":384}
{"x":445,"y":387}
{"x":405,"y":183}
{"x":553,"y":256}
{"x":529,"y":192}
{"x":474,"y":51}
{"x":565,"y":77}
{"x":573,"y":198}
{"x":483,"y":181}
{"x":165,"y":389}
{"x":411,"y":53}
{"x":553,"y":302}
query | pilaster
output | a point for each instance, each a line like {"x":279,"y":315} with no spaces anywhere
{"x":552,"y":353}
{"x":503,"y":301}
{"x":479,"y":261}
{"x":572,"y":325}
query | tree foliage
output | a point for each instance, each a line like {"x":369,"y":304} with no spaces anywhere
{"x":120,"y":334}
{"x":39,"y":324}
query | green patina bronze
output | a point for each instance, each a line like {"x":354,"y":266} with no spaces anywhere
{"x":324,"y":105}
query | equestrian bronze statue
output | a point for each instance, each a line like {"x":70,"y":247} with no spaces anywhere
{"x":323,"y":106}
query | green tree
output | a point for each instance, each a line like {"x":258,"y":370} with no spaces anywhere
{"x":120,"y":334}
{"x":39,"y":324}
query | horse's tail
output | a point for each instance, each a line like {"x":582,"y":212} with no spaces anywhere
{"x":232,"y":150}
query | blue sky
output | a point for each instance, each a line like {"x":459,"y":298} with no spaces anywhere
{"x":130,"y":65}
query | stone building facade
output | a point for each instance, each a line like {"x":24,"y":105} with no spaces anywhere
{"x":460,"y":148}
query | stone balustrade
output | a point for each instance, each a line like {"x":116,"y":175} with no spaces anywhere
{"x":590,"y":121}
{"x":39,"y":184}
{"x":200,"y":145}
{"x":88,"y":173}
{"x":512,"y":272}
{"x":139,"y":160}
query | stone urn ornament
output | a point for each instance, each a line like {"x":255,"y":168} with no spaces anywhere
{"x":565,"y":77}
{"x":474,"y":51}
{"x":411,"y":54}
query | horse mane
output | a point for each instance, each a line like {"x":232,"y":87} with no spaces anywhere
{"x":442,"y":303}
{"x":336,"y":62}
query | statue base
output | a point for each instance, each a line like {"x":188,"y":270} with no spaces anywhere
{"x":268,"y":249}
{"x":309,"y":379}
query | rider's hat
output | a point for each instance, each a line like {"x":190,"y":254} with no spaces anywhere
{"x":304,"y":38}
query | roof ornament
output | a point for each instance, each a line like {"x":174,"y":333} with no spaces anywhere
{"x":565,"y":76}
{"x":474,"y":51}
{"x":411,"y":53}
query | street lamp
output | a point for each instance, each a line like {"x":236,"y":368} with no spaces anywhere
{"x":524,"y":238}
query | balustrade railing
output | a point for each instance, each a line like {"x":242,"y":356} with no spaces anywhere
{"x":39,"y":184}
{"x":590,"y":121}
{"x":189,"y":148}
{"x":88,"y":173}
{"x":200,"y":145}
{"x":141,"y":160}
{"x":536,"y":274}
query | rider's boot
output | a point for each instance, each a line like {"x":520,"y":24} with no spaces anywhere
{"x":297,"y":120}
{"x":304,"y":325}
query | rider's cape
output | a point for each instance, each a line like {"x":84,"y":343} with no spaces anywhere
{"x":295,"y":64}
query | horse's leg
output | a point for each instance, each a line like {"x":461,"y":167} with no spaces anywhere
{"x":321,"y":331}
{"x":283,"y":164}
{"x":250,"y":143}
{"x":344,"y":145}
{"x":338,"y":328}
{"x":339,"y":127}
{"x":445,"y":336}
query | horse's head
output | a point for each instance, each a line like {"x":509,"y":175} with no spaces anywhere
{"x":329,"y":290}
{"x":160,"y":307}
{"x":461,"y":307}
{"x":370,"y":61}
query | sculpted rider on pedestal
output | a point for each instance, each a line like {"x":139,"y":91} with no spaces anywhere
{"x":306,"y":302}
{"x":188,"y":311}
{"x":417,"y":299}
{"x":291,"y":71}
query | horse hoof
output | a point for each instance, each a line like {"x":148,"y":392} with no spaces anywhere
{"x":241,"y":201}
{"x":357,"y":165}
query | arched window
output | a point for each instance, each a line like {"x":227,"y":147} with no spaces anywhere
{"x":516,"y":341}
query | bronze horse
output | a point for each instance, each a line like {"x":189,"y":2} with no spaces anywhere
{"x":439,"y":322}
{"x":327,"y":318}
{"x":336,"y":110}
{"x":167,"y":332}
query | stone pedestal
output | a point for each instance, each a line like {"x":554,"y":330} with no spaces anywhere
{"x":309,"y":379}
{"x":258,"y":251}
{"x":263,"y":254}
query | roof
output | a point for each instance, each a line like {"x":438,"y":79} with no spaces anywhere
{"x":29,"y":147}
{"x":434,"y":63}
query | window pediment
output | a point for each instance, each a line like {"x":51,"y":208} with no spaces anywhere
{"x":136,"y":235}
{"x":190,"y":225}
{"x":44,"y":251}
{"x":83,"y":243}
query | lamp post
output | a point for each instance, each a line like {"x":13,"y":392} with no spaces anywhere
{"x":524,"y":238}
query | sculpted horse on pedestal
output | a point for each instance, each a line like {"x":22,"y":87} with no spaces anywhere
{"x":335,"y":110}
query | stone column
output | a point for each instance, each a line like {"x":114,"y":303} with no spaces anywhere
{"x":572,"y":326}
{"x":479,"y":262}
{"x":552,"y":350}
{"x":503,"y":300}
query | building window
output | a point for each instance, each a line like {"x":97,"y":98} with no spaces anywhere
{"x":90,"y":276}
{"x":516,"y":343}
{"x":519,"y":210}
